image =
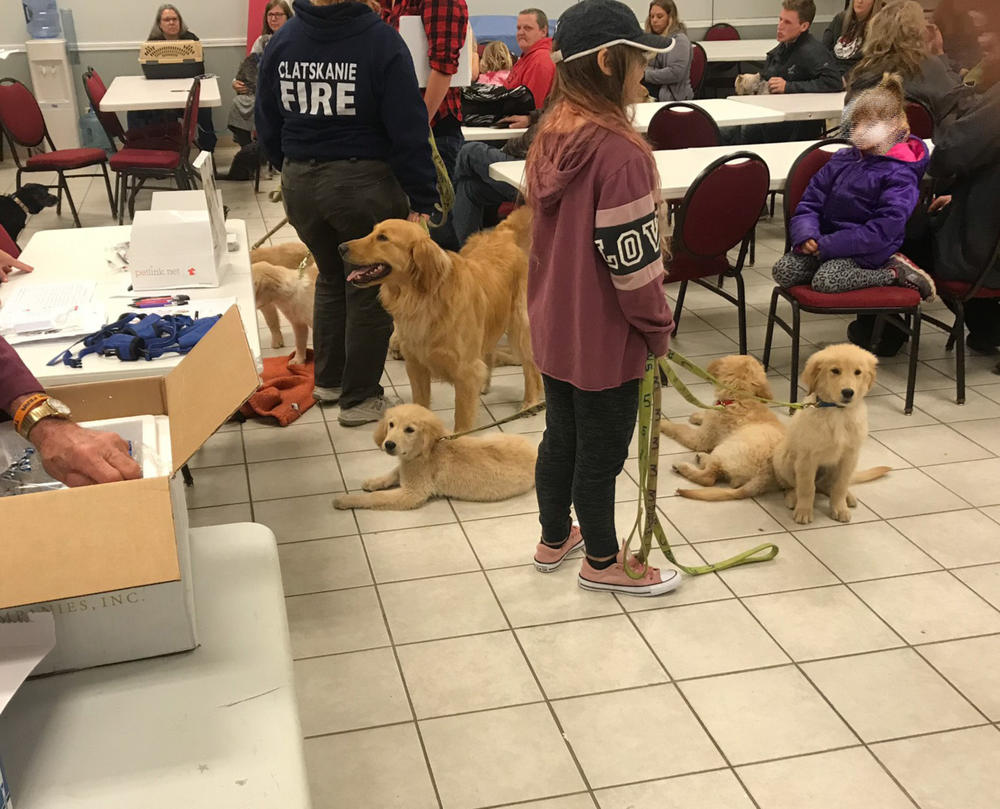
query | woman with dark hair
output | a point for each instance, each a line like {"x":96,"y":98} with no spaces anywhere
{"x":668,"y":75}
{"x":846,"y":34}
{"x":276,"y":14}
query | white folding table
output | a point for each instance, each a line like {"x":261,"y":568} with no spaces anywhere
{"x":724,"y":111}
{"x":799,"y":106}
{"x":139,"y":93}
{"x":738,"y":50}
{"x":215,"y":728}
{"x":74,"y":254}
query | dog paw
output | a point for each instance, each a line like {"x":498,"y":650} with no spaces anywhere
{"x":803,"y":515}
{"x":372,"y":485}
{"x":841,"y":513}
{"x":297,"y":360}
{"x":277,"y":341}
{"x":852,"y":501}
{"x":790,"y":499}
{"x":343,"y":501}
{"x":696,"y":418}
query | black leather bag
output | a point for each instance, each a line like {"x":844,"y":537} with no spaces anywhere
{"x":485,"y":104}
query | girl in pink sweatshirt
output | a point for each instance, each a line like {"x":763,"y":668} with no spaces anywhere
{"x":595,"y":287}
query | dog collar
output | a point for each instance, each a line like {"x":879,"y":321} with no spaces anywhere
{"x":821,"y":403}
{"x":724,"y":402}
{"x":21,"y":205}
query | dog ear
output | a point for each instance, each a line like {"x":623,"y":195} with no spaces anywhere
{"x":432,"y":430}
{"x":381,"y":430}
{"x":870,"y":373}
{"x":763,"y":389}
{"x":430,"y":264}
{"x":810,"y":376}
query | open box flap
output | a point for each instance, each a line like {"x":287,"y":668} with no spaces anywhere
{"x":75,"y":542}
{"x":208,"y":386}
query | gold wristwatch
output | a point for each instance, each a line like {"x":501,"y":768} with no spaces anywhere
{"x":34,"y":409}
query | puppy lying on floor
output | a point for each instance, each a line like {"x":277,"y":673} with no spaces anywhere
{"x":486,"y":468}
{"x":820,"y":450}
{"x":279,"y":286}
{"x":15,"y":208}
{"x":739,"y":441}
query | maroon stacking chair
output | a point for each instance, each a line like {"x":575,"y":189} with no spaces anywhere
{"x":719,"y":212}
{"x":155,"y":136}
{"x":680,"y":125}
{"x":920,"y":119}
{"x":7,"y":244}
{"x":720,"y":32}
{"x":698,"y":62}
{"x":879,"y":301}
{"x":133,"y":167}
{"x":956,"y":294}
{"x":720,"y":75}
{"x":24,"y":126}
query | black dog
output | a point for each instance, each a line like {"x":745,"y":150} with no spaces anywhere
{"x":15,"y":208}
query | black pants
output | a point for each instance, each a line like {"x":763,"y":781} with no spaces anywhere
{"x":587,"y":434}
{"x":329,"y":203}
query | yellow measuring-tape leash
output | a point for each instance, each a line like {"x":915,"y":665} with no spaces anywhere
{"x":647,"y":523}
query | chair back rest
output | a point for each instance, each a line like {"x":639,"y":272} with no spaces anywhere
{"x":110,"y":122}
{"x":699,"y":59}
{"x":7,"y":244}
{"x":20,"y":114}
{"x":189,"y":123}
{"x":680,"y":125}
{"x":921,"y":121}
{"x":723,"y":204}
{"x":802,"y":171}
{"x":720,"y":32}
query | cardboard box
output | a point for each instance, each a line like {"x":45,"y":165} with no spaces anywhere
{"x":411,"y":29}
{"x":112,"y":562}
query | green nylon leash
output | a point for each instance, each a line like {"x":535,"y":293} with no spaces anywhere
{"x":647,"y":523}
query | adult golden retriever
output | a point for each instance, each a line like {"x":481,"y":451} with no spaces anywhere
{"x":451,"y":308}
{"x":491,"y":467}
{"x":821,"y":447}
{"x":735,"y":444}
{"x":279,"y":286}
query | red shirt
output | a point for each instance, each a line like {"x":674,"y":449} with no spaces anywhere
{"x":15,"y":378}
{"x":535,"y":70}
{"x":445,"y":23}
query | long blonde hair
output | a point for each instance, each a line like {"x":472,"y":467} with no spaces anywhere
{"x":895,"y":40}
{"x":496,"y":56}
{"x":583,"y":95}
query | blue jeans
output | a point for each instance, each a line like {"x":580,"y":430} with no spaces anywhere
{"x":448,"y":147}
{"x":475,"y":190}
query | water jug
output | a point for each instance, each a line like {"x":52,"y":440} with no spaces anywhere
{"x":42,"y":17}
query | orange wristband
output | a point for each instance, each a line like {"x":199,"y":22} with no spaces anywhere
{"x":26,"y":407}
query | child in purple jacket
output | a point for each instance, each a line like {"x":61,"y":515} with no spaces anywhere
{"x":852,"y":218}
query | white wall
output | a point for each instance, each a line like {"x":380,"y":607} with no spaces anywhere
{"x":113,"y":24}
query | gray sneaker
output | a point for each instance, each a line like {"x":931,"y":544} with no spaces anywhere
{"x":326,"y":395}
{"x":367,"y":411}
{"x":910,"y":275}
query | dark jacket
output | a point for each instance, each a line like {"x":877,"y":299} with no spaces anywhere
{"x":805,"y":64}
{"x":336,"y":83}
{"x":936,"y":87}
{"x":668,"y":77}
{"x":967,"y":152}
{"x":838,"y":49}
{"x":857,"y":205}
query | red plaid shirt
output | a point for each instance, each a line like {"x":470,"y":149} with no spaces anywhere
{"x":445,"y":22}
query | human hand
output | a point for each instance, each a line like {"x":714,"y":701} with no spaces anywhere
{"x":516,"y":121}
{"x":939,"y":202}
{"x":935,"y":42}
{"x":776,"y":85}
{"x":80,"y":457}
{"x":8,"y":264}
{"x":239,"y":87}
{"x":422,"y":218}
{"x":809,"y":247}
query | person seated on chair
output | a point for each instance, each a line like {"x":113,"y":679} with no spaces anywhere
{"x":668,"y":76}
{"x":846,"y":34}
{"x":276,"y":14}
{"x":169,"y":26}
{"x":495,"y":64}
{"x":535,"y":69}
{"x":800,"y":63}
{"x":852,"y":218}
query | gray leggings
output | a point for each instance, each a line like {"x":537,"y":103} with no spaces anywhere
{"x":835,"y":275}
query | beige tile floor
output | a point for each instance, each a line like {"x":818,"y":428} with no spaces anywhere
{"x":436,"y":668}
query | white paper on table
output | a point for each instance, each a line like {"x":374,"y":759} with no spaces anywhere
{"x":51,"y":311}
{"x":23,"y":645}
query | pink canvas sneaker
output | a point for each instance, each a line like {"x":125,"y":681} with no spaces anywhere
{"x":548,"y":558}
{"x":614,"y":579}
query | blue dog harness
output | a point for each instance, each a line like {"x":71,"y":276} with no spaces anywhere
{"x":137,"y":336}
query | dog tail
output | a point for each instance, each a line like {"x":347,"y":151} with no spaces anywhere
{"x":870,"y":474}
{"x":756,"y":485}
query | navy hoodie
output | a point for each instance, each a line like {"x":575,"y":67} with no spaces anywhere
{"x":337,"y":83}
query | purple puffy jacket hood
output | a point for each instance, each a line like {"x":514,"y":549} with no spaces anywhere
{"x":857,"y":205}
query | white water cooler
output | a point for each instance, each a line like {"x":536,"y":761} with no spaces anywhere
{"x":52,"y":84}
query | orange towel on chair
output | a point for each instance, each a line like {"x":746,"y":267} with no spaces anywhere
{"x":286,"y":390}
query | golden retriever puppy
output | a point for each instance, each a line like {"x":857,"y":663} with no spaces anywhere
{"x":820,"y":449}
{"x":491,"y":467}
{"x":291,"y":292}
{"x":451,"y":309}
{"x":284,"y":254}
{"x":735,"y":444}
